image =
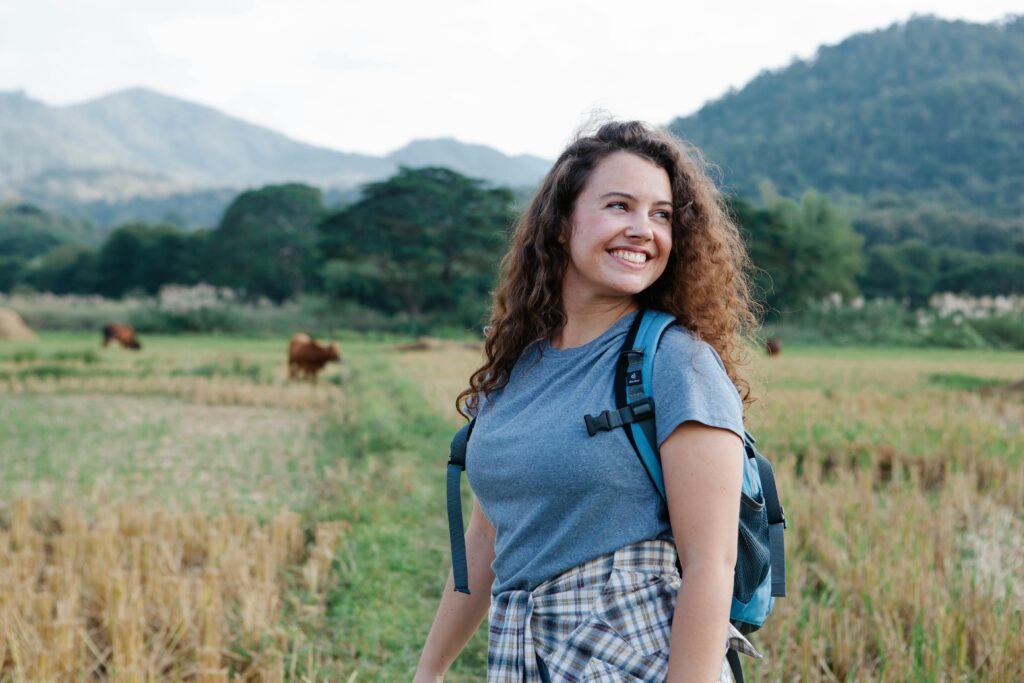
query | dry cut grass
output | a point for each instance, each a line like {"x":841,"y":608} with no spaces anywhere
{"x":143,"y":595}
{"x":441,"y":374}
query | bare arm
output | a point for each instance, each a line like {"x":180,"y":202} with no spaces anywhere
{"x":459,"y":615}
{"x":703,"y":469}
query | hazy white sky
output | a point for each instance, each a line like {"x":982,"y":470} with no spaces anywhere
{"x":369,"y":76}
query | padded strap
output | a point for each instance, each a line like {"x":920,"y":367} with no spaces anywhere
{"x":457,"y":451}
{"x":643,"y":434}
{"x":628,"y":360}
{"x":453,"y":485}
{"x":776,"y":524}
{"x":455,"y":532}
{"x":624,"y":365}
{"x":634,"y":399}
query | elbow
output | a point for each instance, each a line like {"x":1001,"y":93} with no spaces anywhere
{"x":719,"y":566}
{"x":709,"y":579}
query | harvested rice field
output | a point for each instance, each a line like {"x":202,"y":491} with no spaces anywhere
{"x":186,"y":513}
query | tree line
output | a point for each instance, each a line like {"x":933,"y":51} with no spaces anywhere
{"x":426,"y":243}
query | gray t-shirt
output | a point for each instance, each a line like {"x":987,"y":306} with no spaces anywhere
{"x":559,"y":497}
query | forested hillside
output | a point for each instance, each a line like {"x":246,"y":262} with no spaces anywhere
{"x":930,"y":109}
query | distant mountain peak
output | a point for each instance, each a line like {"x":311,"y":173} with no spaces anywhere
{"x":142,"y":95}
{"x":927,"y":107}
{"x":472,"y":159}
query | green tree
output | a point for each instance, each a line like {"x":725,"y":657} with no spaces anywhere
{"x":979,"y":274}
{"x":426,"y":241}
{"x":12,"y":269}
{"x":66,"y":269}
{"x":140,"y":256}
{"x":802,"y":251}
{"x":29,"y":231}
{"x":121,"y":260}
{"x":909,"y":270}
{"x":266,"y":241}
{"x":196,"y":263}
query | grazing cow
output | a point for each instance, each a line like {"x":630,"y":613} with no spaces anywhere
{"x":307,"y":358}
{"x":124,"y":334}
{"x":773,"y":346}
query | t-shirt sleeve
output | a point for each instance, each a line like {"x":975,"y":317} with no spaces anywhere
{"x":690,"y":383}
{"x":472,"y":408}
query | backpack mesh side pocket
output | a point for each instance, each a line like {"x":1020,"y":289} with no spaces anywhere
{"x":753,"y":559}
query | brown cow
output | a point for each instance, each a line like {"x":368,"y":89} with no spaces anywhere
{"x":307,"y":358}
{"x":773,"y":345}
{"x":124,"y":334}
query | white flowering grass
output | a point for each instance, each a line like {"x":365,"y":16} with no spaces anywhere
{"x":947,"y":304}
{"x":182,"y":299}
{"x":948,"y":321}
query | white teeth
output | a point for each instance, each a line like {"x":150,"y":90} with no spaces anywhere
{"x":631,"y":256}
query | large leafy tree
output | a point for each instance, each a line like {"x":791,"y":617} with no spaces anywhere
{"x":27,"y":231}
{"x":266,"y":241}
{"x":802,"y":251}
{"x":908,"y":270}
{"x":426,"y":241}
{"x":66,"y":269}
{"x":141,"y":257}
{"x":12,"y":269}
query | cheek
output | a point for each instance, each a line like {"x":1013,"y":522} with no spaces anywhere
{"x":662,"y":267}
{"x":665,"y":249}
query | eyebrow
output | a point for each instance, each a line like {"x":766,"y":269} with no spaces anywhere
{"x":629,"y":196}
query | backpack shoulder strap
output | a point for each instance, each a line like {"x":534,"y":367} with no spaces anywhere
{"x":633,"y":393}
{"x":453,"y":485}
{"x":637,"y":385}
{"x":776,"y":519}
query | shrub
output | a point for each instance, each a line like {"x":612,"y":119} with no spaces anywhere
{"x":949,"y":321}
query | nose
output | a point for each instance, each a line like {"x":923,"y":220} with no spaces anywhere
{"x":640,"y":229}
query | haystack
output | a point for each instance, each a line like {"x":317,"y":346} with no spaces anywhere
{"x":13,"y":328}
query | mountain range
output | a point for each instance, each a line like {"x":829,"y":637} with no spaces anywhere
{"x":928,"y":110}
{"x":147,"y":149}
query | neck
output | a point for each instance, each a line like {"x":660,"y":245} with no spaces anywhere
{"x":586,"y":321}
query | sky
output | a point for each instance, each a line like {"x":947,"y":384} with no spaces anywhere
{"x":371,"y":75}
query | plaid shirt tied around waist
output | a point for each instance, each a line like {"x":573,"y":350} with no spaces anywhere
{"x":607,"y":620}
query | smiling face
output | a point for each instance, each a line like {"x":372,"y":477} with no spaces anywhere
{"x":620,"y":232}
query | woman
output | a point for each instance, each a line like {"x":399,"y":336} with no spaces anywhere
{"x":578,"y":549}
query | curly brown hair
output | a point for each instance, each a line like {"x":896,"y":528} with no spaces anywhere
{"x":705,"y":284}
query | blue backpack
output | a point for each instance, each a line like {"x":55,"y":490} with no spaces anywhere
{"x":760,"y":563}
{"x":760,"y":558}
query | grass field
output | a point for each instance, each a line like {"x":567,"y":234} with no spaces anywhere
{"x":185,"y":513}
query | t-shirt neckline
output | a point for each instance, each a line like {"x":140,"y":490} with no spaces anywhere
{"x":620,"y":325}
